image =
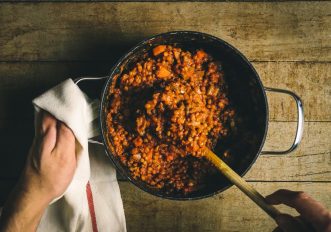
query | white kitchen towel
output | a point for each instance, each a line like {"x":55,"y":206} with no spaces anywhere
{"x":92,"y":201}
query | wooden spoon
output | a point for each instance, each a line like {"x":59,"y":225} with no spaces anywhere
{"x":241,"y":183}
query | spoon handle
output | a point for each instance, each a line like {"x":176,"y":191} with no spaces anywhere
{"x":241,"y":184}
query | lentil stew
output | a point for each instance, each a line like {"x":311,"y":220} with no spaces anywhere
{"x":163,"y":111}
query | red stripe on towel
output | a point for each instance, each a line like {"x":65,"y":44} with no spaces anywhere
{"x":91,"y":207}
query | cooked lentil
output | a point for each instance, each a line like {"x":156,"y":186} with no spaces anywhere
{"x":163,"y":112}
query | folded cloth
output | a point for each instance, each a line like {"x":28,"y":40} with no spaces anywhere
{"x":92,"y":202}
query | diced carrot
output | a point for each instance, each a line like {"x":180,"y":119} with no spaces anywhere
{"x":138,"y":141}
{"x":170,"y":157}
{"x":159,"y":49}
{"x":163,"y":72}
{"x":201,"y":54}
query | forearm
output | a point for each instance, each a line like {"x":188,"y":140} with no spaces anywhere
{"x":50,"y":167}
{"x":22,"y":211}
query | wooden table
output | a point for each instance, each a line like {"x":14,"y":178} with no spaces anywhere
{"x":289,"y":43}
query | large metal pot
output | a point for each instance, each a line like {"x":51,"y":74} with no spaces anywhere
{"x":245,"y":89}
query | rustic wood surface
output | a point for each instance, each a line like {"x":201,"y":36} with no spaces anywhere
{"x":289,"y":44}
{"x":228,"y":211}
{"x":288,"y":31}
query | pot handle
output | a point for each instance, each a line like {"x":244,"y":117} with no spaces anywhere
{"x":81,"y":79}
{"x":299,"y":131}
{"x":95,"y":140}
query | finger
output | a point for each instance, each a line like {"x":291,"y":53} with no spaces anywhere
{"x":45,"y":138}
{"x":41,"y":146}
{"x":43,"y":121}
{"x":48,"y":140}
{"x":310,"y":209}
{"x":288,"y":223}
{"x":65,"y":138}
{"x":295,"y":199}
{"x":282,"y":196}
{"x":48,"y":121}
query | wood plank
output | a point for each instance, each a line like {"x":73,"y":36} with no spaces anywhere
{"x":21,"y":82}
{"x":145,"y":212}
{"x":310,"y":162}
{"x":264,"y":31}
{"x":311,"y":81}
{"x":228,"y":211}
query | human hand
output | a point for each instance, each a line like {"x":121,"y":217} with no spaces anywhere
{"x":51,"y":161}
{"x":49,"y":169}
{"x":312,"y":213}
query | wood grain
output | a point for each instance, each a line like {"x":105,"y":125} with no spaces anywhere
{"x":21,"y":82}
{"x":223,"y":212}
{"x":310,"y":162}
{"x":284,"y":31}
{"x":228,"y":211}
{"x":311,"y":81}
